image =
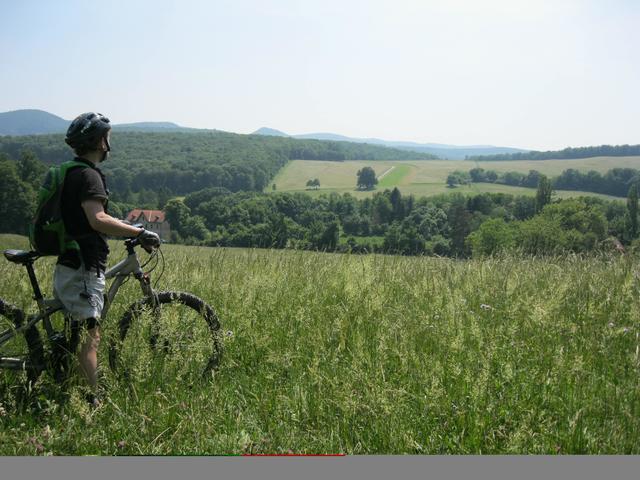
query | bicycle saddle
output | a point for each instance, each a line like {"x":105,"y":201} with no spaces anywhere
{"x":20,"y":256}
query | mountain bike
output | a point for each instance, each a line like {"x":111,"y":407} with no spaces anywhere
{"x":174,"y":334}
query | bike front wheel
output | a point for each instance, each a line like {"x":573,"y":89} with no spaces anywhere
{"x":174,"y":338}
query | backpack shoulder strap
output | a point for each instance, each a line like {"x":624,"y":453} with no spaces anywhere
{"x":64,"y":166}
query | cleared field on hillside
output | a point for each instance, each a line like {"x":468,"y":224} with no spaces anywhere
{"x":425,"y":178}
{"x":367,"y":354}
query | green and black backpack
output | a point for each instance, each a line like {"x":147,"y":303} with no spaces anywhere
{"x":47,"y":233}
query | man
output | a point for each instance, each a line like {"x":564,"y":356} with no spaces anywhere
{"x":79,"y":280}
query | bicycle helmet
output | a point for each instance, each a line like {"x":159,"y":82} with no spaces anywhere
{"x":86,"y":131}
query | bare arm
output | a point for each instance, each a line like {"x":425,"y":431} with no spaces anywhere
{"x":105,"y":223}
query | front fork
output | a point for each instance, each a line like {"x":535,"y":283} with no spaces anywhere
{"x":154,"y":303}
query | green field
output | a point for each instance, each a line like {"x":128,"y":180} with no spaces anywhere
{"x":367,"y":354}
{"x":428,"y":177}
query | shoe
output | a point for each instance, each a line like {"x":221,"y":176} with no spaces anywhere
{"x":93,"y":400}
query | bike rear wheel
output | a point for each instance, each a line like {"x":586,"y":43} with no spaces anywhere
{"x":175,"y":340}
{"x":22,"y":353}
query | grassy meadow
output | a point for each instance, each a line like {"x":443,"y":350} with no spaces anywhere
{"x":329,"y":353}
{"x":428,"y":177}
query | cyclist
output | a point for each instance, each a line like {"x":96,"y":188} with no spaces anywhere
{"x":79,"y":280}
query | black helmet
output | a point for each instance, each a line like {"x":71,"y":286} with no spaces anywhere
{"x":86,"y":131}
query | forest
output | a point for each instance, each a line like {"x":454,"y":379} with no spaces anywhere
{"x":579,"y":152}
{"x":146,"y":167}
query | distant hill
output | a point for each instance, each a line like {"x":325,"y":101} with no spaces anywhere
{"x":269,"y":132}
{"x":37,"y":122}
{"x":29,"y":122}
{"x":453,"y":152}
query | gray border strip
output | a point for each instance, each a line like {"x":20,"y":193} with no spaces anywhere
{"x":365,"y":467}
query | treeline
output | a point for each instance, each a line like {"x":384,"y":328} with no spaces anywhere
{"x":447,"y":225}
{"x":615,"y":182}
{"x":19,"y":183}
{"x":145,"y":168}
{"x":567,"y":153}
{"x":388,"y":222}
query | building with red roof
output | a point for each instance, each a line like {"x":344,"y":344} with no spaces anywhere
{"x":153,"y":220}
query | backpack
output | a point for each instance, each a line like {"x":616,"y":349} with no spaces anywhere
{"x":47,"y":233}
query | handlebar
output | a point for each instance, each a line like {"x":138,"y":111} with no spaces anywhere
{"x":131,"y":243}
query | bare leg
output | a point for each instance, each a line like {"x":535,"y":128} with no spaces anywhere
{"x":88,"y":356}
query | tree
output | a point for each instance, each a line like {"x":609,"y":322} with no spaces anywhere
{"x":532,"y":179}
{"x":30,"y":169}
{"x":541,"y":235}
{"x":164,"y":194}
{"x":632,"y":210}
{"x":491,"y":176}
{"x":543,"y":194}
{"x":460,"y":224}
{"x":194,"y":227}
{"x":396,"y":203}
{"x":458,"y":178}
{"x":313,"y":183}
{"x":573,"y":224}
{"x":477,"y":174}
{"x":493,"y":236}
{"x":512,"y":178}
{"x":330,"y":236}
{"x":381,"y":209}
{"x":177,"y":213}
{"x":17,"y":200}
{"x":403,"y":238}
{"x":366,"y":179}
{"x":452,"y":180}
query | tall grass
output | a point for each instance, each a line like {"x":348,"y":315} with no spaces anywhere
{"x":369,"y":354}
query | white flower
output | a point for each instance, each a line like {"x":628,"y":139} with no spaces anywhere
{"x":484,"y":306}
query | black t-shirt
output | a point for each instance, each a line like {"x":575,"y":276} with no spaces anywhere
{"x":82,"y":184}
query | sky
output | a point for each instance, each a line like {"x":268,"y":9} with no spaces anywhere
{"x":543,"y":74}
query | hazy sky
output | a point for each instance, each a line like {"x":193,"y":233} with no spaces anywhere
{"x":535,"y":74}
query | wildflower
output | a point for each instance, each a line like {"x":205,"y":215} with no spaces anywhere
{"x":229,"y":333}
{"x":611,"y":324}
{"x":484,"y":306}
{"x":34,"y":441}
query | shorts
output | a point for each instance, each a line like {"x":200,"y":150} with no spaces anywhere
{"x":81,"y":292}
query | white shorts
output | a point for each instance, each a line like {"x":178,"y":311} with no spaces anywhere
{"x":81,"y":291}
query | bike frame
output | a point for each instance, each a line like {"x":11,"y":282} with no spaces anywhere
{"x":47,"y":307}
